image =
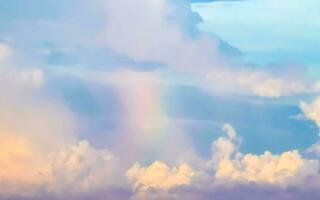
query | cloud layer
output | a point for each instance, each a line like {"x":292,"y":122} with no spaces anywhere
{"x":71,"y":76}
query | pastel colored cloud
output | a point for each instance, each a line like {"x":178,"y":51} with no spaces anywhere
{"x":233,"y":173}
{"x":312,"y":110}
{"x":137,"y":50}
{"x":225,"y":147}
{"x":202,"y":51}
{"x":159,"y":176}
{"x":230,"y":164}
{"x":170,"y":28}
{"x":81,"y":168}
{"x":264,"y":168}
{"x":39,"y":150}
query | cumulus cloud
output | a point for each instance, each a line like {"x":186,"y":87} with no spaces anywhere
{"x":74,"y":170}
{"x":41,"y":155}
{"x":39,"y":149}
{"x":81,"y":168}
{"x":21,"y":165}
{"x":234,"y":176}
{"x":231,"y":164}
{"x":159,"y":176}
{"x":312,"y":110}
{"x":264,"y":168}
{"x":228,"y":166}
{"x":225,"y":147}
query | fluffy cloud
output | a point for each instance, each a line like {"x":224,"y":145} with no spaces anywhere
{"x":264,"y":168}
{"x":312,"y":110}
{"x":39,"y":149}
{"x":40,"y":153}
{"x":235,"y":175}
{"x":74,"y":170}
{"x":158,"y":39}
{"x":81,"y":168}
{"x":230,"y":164}
{"x":22,"y":166}
{"x":153,"y":31}
{"x":225,"y":147}
{"x":159,"y":176}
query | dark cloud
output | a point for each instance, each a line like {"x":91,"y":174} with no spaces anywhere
{"x":233,"y":192}
{"x":112,"y":193}
{"x":252,"y":192}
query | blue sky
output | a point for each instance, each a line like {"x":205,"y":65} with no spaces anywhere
{"x":274,"y":37}
{"x":102,"y":96}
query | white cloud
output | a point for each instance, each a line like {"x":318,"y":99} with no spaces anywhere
{"x":81,"y":168}
{"x":141,"y":30}
{"x":278,"y":87}
{"x":39,"y":151}
{"x":230,"y":164}
{"x":224,"y":147}
{"x":263,"y":168}
{"x":231,"y":170}
{"x":159,"y":176}
{"x":312,"y":110}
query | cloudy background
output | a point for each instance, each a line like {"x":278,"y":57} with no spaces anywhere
{"x":159,"y":99}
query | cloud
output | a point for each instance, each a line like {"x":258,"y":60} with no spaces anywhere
{"x":135,"y":42}
{"x":159,"y":176}
{"x":4,"y":51}
{"x":314,"y":149}
{"x":40,"y":153}
{"x":248,"y":191}
{"x":235,"y":176}
{"x":159,"y":38}
{"x":264,"y":168}
{"x":81,"y":168}
{"x":312,"y":110}
{"x":74,"y":170}
{"x":21,"y":165}
{"x":225,"y":147}
{"x":275,"y":87}
{"x":230,"y":164}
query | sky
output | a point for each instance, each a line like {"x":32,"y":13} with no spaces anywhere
{"x":159,"y":99}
